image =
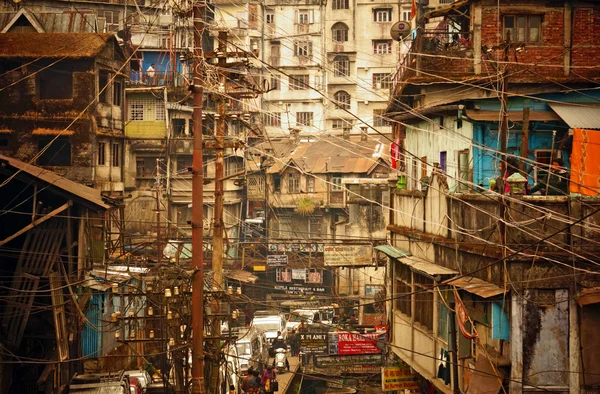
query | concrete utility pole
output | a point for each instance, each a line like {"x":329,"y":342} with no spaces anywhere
{"x":218,"y":226}
{"x":198,"y":208}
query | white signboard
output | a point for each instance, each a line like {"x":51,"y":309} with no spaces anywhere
{"x":347,"y":255}
{"x":277,"y":260}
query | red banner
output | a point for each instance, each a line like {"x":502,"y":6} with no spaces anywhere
{"x":355,"y":343}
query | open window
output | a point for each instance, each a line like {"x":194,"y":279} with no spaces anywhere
{"x":54,"y":84}
{"x":57,"y":151}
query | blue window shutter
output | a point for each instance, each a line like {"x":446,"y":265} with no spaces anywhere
{"x":500,"y":322}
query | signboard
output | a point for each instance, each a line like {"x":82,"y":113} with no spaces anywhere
{"x":291,"y":289}
{"x":372,"y":290}
{"x":398,"y":378}
{"x":260,"y":268}
{"x":347,"y":255}
{"x":277,"y":260}
{"x":339,"y":361}
{"x":299,"y":274}
{"x":344,"y":343}
{"x":313,"y":343}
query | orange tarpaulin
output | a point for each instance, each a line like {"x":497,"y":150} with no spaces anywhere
{"x":585,"y":162}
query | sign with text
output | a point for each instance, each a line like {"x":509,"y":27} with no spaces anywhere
{"x":347,"y":255}
{"x":339,"y":361}
{"x":357,"y":343}
{"x":313,"y":343}
{"x":291,"y":289}
{"x":398,"y":378}
{"x":277,"y":260}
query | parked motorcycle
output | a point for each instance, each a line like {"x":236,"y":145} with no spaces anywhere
{"x":281,"y":361}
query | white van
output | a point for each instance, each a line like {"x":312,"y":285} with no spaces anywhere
{"x":270,"y":324}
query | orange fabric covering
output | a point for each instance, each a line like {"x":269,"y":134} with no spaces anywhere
{"x":585,"y":162}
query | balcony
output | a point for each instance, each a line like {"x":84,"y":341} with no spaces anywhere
{"x":441,"y":53}
{"x":158,"y":78}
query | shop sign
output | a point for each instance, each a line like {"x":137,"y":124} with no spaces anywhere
{"x":347,"y":255}
{"x":290,"y":289}
{"x":398,"y":378}
{"x":357,"y":343}
{"x":277,"y":260}
{"x":313,"y":343}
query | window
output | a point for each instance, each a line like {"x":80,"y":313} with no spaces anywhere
{"x":101,"y":153}
{"x":273,"y":119}
{"x":270,"y":17}
{"x":276,"y":183}
{"x":379,"y":119}
{"x":340,"y":5}
{"x":117,"y":93}
{"x":304,"y":17}
{"x":314,"y":276}
{"x":403,"y":289}
{"x":283,"y":275}
{"x":341,"y":66}
{"x":342,"y":100}
{"x":341,"y":124}
{"x":145,"y":166}
{"x":415,"y":173}
{"x":406,"y":16}
{"x":310,"y":184}
{"x":53,"y":84}
{"x":339,"y":32}
{"x":58,"y":152}
{"x":444,"y":314}
{"x":381,"y":81}
{"x":136,"y":111}
{"x":304,"y":118}
{"x":159,"y":110}
{"x":542,"y":163}
{"x":116,"y":154}
{"x":423,"y":301}
{"x":179,"y":126}
{"x":423,"y":166}
{"x":275,"y":53}
{"x":303,"y":48}
{"x":523,"y":28}
{"x":183,"y":164}
{"x":110,"y":19}
{"x":443,"y":160}
{"x":103,"y":78}
{"x":285,"y":227}
{"x":336,"y":181}
{"x":463,"y":169}
{"x":234,"y":165}
{"x":298,"y":82}
{"x":382,"y":46}
{"x":275,"y":82}
{"x":256,"y":184}
{"x":314,"y":227}
{"x":382,"y":14}
{"x":293,"y":183}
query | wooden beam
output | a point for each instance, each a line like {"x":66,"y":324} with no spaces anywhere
{"x":37,"y":222}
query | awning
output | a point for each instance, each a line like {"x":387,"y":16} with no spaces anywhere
{"x":392,"y":251}
{"x":44,"y":131}
{"x":102,"y":280}
{"x":441,"y":11}
{"x":477,"y":286}
{"x":242,"y":276}
{"x":425,"y":266}
{"x":578,"y":116}
{"x":513,"y":116}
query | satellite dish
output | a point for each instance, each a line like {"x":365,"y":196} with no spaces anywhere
{"x":400,"y":30}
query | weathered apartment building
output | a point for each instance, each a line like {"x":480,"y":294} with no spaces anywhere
{"x":503,"y":280}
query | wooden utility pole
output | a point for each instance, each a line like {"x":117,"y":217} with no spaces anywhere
{"x":524,"y":151}
{"x":198,"y":207}
{"x":218,"y":226}
{"x":159,"y":248}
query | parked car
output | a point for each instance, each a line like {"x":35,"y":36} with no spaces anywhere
{"x":272,"y":325}
{"x":252,"y":349}
{"x":135,"y":387}
{"x":142,"y":375}
{"x":159,"y":388}
{"x":322,"y":315}
{"x":100,"y":383}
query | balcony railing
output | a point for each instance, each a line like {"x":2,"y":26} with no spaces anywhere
{"x":159,"y":78}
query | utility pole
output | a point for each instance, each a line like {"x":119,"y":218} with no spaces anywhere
{"x":453,"y":349}
{"x":198,"y":207}
{"x":158,"y":225}
{"x":525,"y":141}
{"x":218,"y":226}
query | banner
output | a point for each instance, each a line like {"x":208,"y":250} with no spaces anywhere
{"x":347,"y":255}
{"x":398,"y":378}
{"x":356,"y":343}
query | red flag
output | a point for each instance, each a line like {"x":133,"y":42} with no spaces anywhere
{"x":413,"y":9}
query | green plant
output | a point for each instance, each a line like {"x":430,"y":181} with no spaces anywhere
{"x":305,"y":206}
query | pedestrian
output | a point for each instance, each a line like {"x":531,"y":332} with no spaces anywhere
{"x":150,"y":73}
{"x":294,"y":340}
{"x":556,"y":182}
{"x":267,"y":377}
{"x":246,"y":381}
{"x":254,"y":383}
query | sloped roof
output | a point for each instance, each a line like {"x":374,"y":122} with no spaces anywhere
{"x":335,"y":155}
{"x":83,"y":192}
{"x":51,"y":22}
{"x":52,"y":45}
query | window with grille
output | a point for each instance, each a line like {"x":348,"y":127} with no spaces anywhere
{"x":304,"y":118}
{"x":342,"y":100}
{"x":141,"y":108}
{"x":382,"y":15}
{"x":339,"y":32}
{"x":101,"y":153}
{"x":303,"y":48}
{"x":310,"y":184}
{"x":283,"y":275}
{"x":379,"y":120}
{"x":116,"y":154}
{"x":523,"y":28}
{"x":273,"y":119}
{"x":256,"y":184}
{"x":293,"y":183}
{"x":403,"y":289}
{"x":341,"y":124}
{"x":381,"y":81}
{"x":111,"y":20}
{"x":341,"y":66}
{"x":382,"y":46}
{"x":136,"y":111}
{"x":340,"y":5}
{"x":314,"y":227}
{"x":298,"y":82}
{"x":159,"y":108}
{"x":423,"y":301}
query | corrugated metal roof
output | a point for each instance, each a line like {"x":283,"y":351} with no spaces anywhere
{"x":54,"y":180}
{"x":54,"y":22}
{"x":477,"y":286}
{"x":52,"y":45}
{"x":425,"y":266}
{"x":333,"y":155}
{"x":578,"y":116}
{"x":392,"y":251}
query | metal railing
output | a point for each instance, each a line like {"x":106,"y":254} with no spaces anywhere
{"x":159,"y":78}
{"x":433,"y":40}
